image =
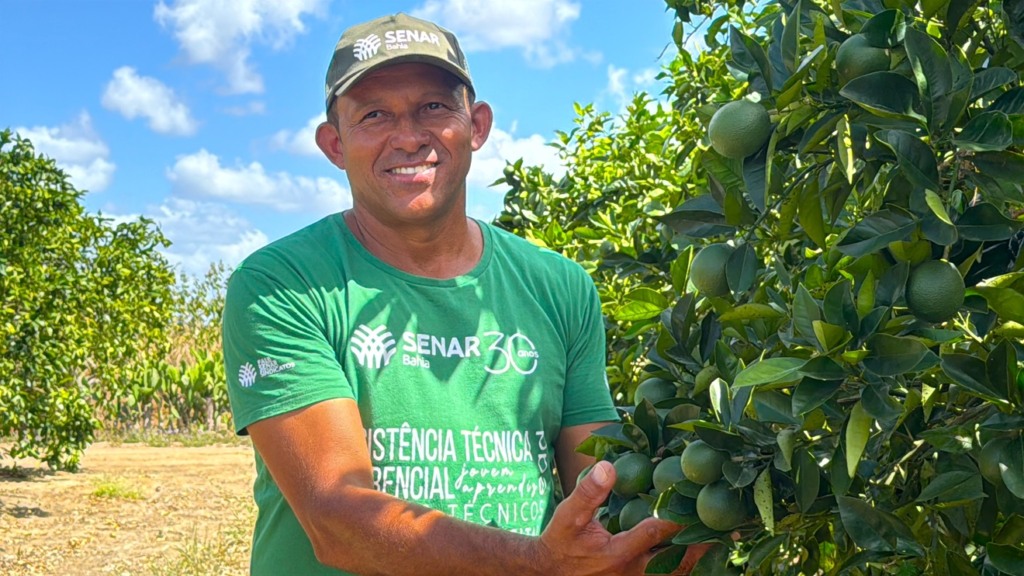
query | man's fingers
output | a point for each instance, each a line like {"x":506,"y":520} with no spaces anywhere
{"x":646,"y":535}
{"x":590,"y":493}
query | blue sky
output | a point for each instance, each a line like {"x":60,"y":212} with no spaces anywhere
{"x":200,"y":113}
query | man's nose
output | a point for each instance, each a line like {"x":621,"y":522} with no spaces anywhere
{"x":409,"y":135}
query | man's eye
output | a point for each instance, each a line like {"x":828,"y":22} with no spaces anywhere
{"x":372,"y":115}
{"x":435,"y":106}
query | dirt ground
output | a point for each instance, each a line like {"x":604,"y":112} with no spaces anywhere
{"x":132,"y":509}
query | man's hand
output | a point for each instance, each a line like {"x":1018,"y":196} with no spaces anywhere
{"x":576,"y":543}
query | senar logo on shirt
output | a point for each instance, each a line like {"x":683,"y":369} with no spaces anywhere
{"x":374,"y":347}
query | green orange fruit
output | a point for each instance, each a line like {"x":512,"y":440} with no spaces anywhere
{"x":701,"y":463}
{"x":720,"y":507}
{"x":707,"y":270}
{"x":739,"y":129}
{"x":935,"y":291}
{"x":857,"y":57}
{"x":634,"y":473}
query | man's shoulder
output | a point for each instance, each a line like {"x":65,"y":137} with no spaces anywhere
{"x":305,"y":245}
{"x":293,"y":260}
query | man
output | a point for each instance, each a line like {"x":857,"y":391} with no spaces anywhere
{"x":409,"y":376}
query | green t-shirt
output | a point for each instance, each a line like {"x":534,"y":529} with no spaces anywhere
{"x":462,"y":384}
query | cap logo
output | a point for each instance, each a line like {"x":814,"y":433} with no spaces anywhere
{"x":365,"y":48}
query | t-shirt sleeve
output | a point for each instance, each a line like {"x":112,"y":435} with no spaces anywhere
{"x":586,"y":398}
{"x":276,"y":352}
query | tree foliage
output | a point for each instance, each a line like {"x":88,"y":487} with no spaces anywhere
{"x":854,"y":429}
{"x":82,"y":298}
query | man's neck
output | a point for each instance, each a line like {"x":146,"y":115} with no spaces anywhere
{"x":441,"y":250}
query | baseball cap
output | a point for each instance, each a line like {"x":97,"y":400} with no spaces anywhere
{"x":392,"y":40}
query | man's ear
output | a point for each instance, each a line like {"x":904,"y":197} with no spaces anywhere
{"x":329,"y":142}
{"x":482,"y":117}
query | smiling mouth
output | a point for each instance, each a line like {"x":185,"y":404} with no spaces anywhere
{"x":410,"y":170}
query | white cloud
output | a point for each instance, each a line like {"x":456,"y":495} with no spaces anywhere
{"x":622,"y":86}
{"x":77,"y":149}
{"x":221,"y":34}
{"x":254,"y":108}
{"x":202,"y":233}
{"x":201,"y":175}
{"x":538,"y":27}
{"x":301,"y":141}
{"x":133,"y":96}
{"x":489,"y":162}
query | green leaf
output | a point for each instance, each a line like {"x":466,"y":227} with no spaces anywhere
{"x":986,"y":132}
{"x":805,"y":312}
{"x":680,"y":270}
{"x":751,"y":311}
{"x":884,"y":94}
{"x":830,"y":336}
{"x":937,"y":207}
{"x":811,"y":393}
{"x":741,"y":268}
{"x":915,"y":158}
{"x":844,"y":150}
{"x":764,"y":499}
{"x":637,"y":310}
{"x":953,"y":487}
{"x":876,"y":232}
{"x":1011,"y":467}
{"x":985,"y":222}
{"x":1007,"y":559}
{"x":989,"y":79}
{"x":886,"y":29}
{"x":1005,"y":166}
{"x":809,"y":212}
{"x":893,"y":355}
{"x":666,"y":561}
{"x":770,"y":371}
{"x":880,"y":405}
{"x":1013,"y":11}
{"x":858,"y":430}
{"x":1006,"y":302}
{"x":749,"y":55}
{"x":645,"y":416}
{"x":698,"y":217}
{"x":808,"y":480}
{"x":754,"y":180}
{"x":932,"y":72}
{"x":791,"y":38}
{"x":823,"y":368}
{"x":1010,"y":102}
{"x":870,"y":528}
{"x":1001,"y":369}
{"x":718,"y":392}
{"x":716,"y":435}
{"x":969,"y":372}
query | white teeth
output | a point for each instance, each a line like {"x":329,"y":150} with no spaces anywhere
{"x":412,"y":169}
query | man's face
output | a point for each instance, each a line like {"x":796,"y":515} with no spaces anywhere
{"x":405,"y":135}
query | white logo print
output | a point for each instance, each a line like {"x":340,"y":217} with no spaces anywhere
{"x":270,"y":366}
{"x":246,"y":375}
{"x":366,"y":47}
{"x":373,"y":347}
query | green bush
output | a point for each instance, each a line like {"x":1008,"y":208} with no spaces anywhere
{"x":853,"y":428}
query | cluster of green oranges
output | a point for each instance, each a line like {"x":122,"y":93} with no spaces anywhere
{"x":934,"y":291}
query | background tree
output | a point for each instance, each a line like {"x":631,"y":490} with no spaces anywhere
{"x":846,"y":357}
{"x":82,"y":299}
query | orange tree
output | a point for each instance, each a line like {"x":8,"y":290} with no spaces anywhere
{"x":856,"y":385}
{"x":82,"y":300}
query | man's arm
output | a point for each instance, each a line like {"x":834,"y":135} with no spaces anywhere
{"x":319,"y":459}
{"x":568,"y":461}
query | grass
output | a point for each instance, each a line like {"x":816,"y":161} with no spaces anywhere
{"x":227,"y":552}
{"x":188,"y":438}
{"x":115,"y":488}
